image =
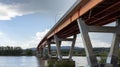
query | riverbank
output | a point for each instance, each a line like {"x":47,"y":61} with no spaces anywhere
{"x":16,"y":51}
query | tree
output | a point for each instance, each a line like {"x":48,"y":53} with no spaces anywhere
{"x":29,"y":52}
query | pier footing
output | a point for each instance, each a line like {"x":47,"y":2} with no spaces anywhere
{"x":109,"y":65}
{"x":63,"y":63}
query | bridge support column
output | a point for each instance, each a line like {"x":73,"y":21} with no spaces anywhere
{"x":44,"y":52}
{"x":38,"y":53}
{"x":49,"y":49}
{"x":92,"y":61}
{"x":72,"y":48}
{"x":41,"y":52}
{"x":58,"y":44}
{"x":113,"y":55}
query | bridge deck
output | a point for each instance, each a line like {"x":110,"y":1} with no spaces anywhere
{"x":94,"y":12}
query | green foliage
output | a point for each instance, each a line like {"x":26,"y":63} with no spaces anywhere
{"x":104,"y":57}
{"x":51,"y":62}
{"x":119,"y":56}
{"x":102,"y":54}
{"x":10,"y":51}
{"x":29,"y":52}
{"x":103,"y":60}
{"x":14,"y":51}
{"x":65,"y":64}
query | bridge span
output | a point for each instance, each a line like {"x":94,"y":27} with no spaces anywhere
{"x":83,"y":17}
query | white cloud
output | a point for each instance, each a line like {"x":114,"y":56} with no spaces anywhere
{"x":1,"y":33}
{"x":97,"y":40}
{"x":7,"y":12}
{"x":13,"y":8}
{"x":10,"y":9}
{"x":33,"y":42}
{"x":99,"y":43}
{"x":5,"y":40}
{"x":40,"y":35}
{"x":36,"y":39}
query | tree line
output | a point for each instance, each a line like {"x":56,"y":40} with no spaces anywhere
{"x":15,"y":51}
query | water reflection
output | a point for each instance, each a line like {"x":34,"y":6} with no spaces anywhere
{"x":32,"y":61}
{"x":18,"y":61}
{"x":41,"y":62}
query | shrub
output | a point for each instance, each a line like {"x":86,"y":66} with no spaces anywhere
{"x":65,"y":64}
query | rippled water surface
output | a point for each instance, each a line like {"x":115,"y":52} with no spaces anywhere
{"x":32,"y":61}
{"x":20,"y":61}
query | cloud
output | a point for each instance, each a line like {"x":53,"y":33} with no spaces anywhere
{"x":33,"y":42}
{"x":6,"y":12}
{"x":12,"y":8}
{"x":40,"y":35}
{"x":97,"y":40}
{"x":36,"y":39}
{"x":5,"y":40}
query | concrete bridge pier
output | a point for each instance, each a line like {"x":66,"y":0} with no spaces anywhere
{"x":91,"y":58}
{"x":49,"y":49}
{"x":72,"y":47}
{"x":58,"y":44}
{"x":67,"y":61}
{"x":44,"y":52}
{"x":112,"y":58}
{"x":113,"y":55}
{"x":40,"y":53}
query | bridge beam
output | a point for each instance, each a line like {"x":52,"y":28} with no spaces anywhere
{"x":92,"y":61}
{"x":103,"y":29}
{"x":113,"y":55}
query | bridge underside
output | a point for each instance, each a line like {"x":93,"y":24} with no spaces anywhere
{"x":102,"y":14}
{"x":76,"y":21}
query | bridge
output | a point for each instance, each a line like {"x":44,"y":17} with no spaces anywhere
{"x":83,"y":17}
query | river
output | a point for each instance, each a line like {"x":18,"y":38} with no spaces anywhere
{"x":32,"y":61}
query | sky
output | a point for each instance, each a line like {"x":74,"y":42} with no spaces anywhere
{"x":24,"y":22}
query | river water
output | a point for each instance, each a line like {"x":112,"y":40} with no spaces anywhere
{"x":32,"y":61}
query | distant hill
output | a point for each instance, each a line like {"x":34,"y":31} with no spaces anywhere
{"x":62,"y":48}
{"x":101,"y":49}
{"x":33,"y":49}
